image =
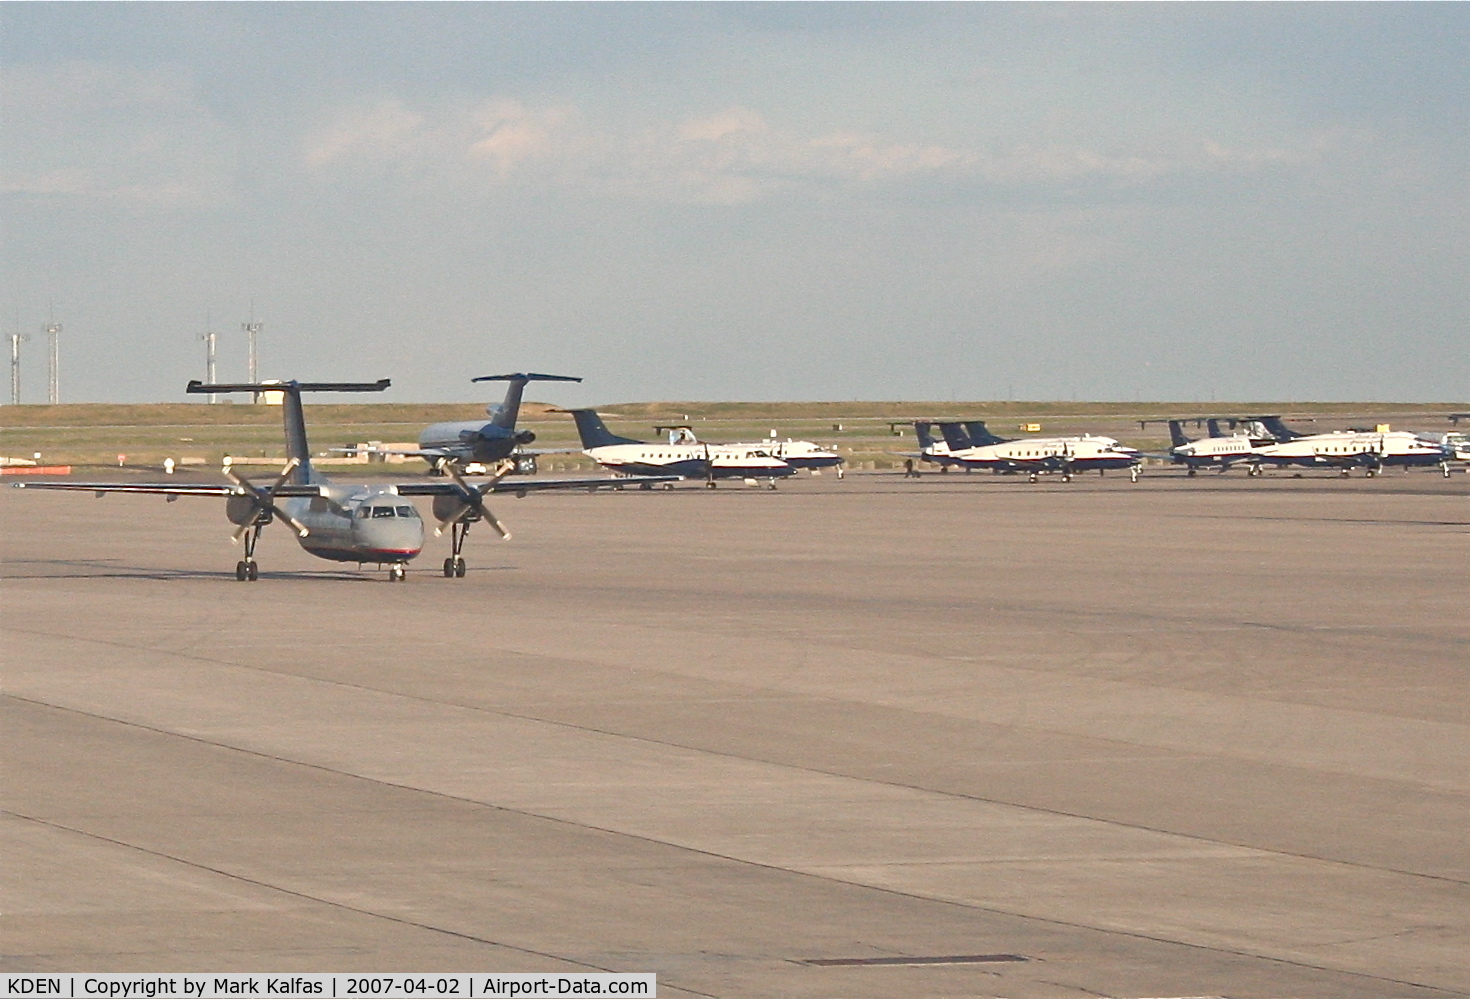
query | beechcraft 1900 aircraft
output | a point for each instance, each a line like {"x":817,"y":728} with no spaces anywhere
{"x":366,"y":524}
{"x":1065,"y":456}
{"x":798,"y":454}
{"x":689,"y":460}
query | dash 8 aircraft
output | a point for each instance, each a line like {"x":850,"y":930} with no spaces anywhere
{"x":365,"y":524}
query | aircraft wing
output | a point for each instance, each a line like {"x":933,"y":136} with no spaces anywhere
{"x":161,"y":488}
{"x":170,"y":489}
{"x":521,"y":486}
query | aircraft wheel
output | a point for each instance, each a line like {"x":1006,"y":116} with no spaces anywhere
{"x":396,"y":574}
{"x":460,"y":568}
{"x":241,"y":573}
{"x":1192,"y":472}
{"x":448,"y":568}
{"x":1066,"y":477}
{"x":710,"y":485}
{"x":252,"y":571}
{"x":1031,"y":477}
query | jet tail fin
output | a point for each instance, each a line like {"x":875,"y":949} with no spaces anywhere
{"x":593,"y":431}
{"x":926,"y":437}
{"x":1176,"y":434}
{"x":506,"y":414}
{"x":291,"y":413}
{"x":1276,"y":428}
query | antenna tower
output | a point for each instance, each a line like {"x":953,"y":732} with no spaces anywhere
{"x":53,"y":345}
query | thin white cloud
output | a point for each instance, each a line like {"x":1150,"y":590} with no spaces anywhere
{"x":729,"y":156}
{"x":106,"y":131}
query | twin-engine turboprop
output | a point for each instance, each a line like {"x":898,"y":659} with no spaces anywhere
{"x":1218,"y":450}
{"x":798,"y":454}
{"x":366,"y":524}
{"x":1345,"y":450}
{"x":680,"y":458}
{"x":1036,"y":456}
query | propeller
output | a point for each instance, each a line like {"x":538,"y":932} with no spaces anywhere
{"x":264,"y":500}
{"x":473,"y":497}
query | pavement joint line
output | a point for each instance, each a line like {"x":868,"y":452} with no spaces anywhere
{"x":863,"y":886}
{"x":53,"y":824}
{"x":714,"y":753}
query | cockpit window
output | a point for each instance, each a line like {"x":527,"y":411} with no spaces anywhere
{"x":382,"y":511}
{"x":404,"y":511}
{"x":363,"y":511}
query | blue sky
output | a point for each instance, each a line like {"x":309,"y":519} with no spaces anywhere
{"x":775,"y":201}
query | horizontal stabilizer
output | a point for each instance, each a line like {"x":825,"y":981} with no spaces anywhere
{"x":199,"y":388}
{"x":528,"y":376}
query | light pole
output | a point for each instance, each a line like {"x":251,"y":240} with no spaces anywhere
{"x":16,"y":339}
{"x":252,"y":330}
{"x":209,"y":343}
{"x":53,"y":344}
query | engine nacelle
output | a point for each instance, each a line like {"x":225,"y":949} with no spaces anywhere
{"x":241,"y":509}
{"x":448,"y":507}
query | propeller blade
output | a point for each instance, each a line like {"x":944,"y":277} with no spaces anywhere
{"x":475,"y":498}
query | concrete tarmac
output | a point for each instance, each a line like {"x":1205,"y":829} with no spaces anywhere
{"x":959,"y":736}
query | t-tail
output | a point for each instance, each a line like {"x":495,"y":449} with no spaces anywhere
{"x":1214,"y":427}
{"x":955,"y":437}
{"x":593,"y":431}
{"x":926,"y":438}
{"x":291,"y":414}
{"x":980,"y":434}
{"x":506,"y":414}
{"x":1176,"y":434}
{"x":1276,"y":428}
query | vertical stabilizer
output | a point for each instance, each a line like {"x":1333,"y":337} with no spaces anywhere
{"x":506,"y":414}
{"x":292,"y":415}
{"x":1176,"y":434}
{"x":926,"y":438}
{"x":980,"y":434}
{"x":1276,"y":428}
{"x":593,"y":431}
{"x":955,"y":437}
{"x":1214,"y":426}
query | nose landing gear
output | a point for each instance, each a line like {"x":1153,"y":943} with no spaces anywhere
{"x":397,"y":572}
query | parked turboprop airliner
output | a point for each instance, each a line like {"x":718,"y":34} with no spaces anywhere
{"x":1349,"y":449}
{"x":1036,"y":456}
{"x":797,"y":454}
{"x":702,"y":461}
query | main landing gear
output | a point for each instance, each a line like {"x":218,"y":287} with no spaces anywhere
{"x":247,"y":572}
{"x":454,"y":565}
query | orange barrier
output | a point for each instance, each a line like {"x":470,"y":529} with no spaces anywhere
{"x":35,"y":470}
